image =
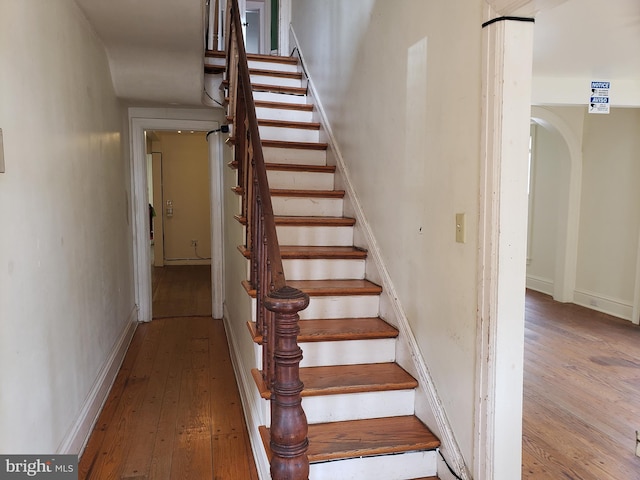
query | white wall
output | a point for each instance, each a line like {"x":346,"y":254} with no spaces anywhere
{"x":400,"y":83}
{"x":549,"y":174}
{"x":65,"y":249}
{"x":185,"y":182}
{"x":608,"y":216}
{"x":610,"y":210}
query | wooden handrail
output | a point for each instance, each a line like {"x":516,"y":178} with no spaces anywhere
{"x":277,"y":305}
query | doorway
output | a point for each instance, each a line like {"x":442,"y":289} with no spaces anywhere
{"x":142,"y":120}
{"x":179,"y":191}
{"x":257,"y":22}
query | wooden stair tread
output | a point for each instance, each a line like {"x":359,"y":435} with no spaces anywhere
{"x":263,"y":87}
{"x":255,"y":56}
{"x":215,"y":54}
{"x":295,"y":145}
{"x":275,"y":73}
{"x":293,"y":167}
{"x":321,"y":288}
{"x":308,"y":107}
{"x":289,"y":124}
{"x":291,"y":221}
{"x":291,"y":145}
{"x":272,"y":58}
{"x":214,"y":69}
{"x":315,"y":221}
{"x":347,"y":379}
{"x":327,"y":288}
{"x":362,"y":438}
{"x":337,"y":329}
{"x":330,"y":194}
{"x":281,"y":192}
{"x":308,"y":252}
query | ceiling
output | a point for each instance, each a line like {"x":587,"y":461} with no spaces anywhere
{"x":156,"y":47}
{"x":589,"y":38}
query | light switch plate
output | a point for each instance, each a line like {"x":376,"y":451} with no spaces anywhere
{"x":460,"y":228}
{"x":1,"y":153}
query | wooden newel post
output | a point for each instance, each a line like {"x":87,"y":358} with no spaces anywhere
{"x":289,"y":427}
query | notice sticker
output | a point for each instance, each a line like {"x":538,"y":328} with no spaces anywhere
{"x":599,"y":97}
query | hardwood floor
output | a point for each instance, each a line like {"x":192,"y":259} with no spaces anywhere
{"x":181,"y":291}
{"x":174,"y":411}
{"x":581,"y":393}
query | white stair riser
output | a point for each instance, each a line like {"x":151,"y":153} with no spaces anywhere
{"x":315,"y":236}
{"x":353,"y":306}
{"x":265,"y":113}
{"x":279,"y":81}
{"x":358,"y":406}
{"x":285,"y":134}
{"x":401,"y":466}
{"x":296,"y":156}
{"x":323,"y":269}
{"x":278,"y":67}
{"x":307,"y":206}
{"x":220,"y":62}
{"x":280,"y":97}
{"x":300,"y":180}
{"x":347,"y":352}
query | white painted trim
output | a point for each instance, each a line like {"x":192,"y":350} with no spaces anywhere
{"x":141,"y":119}
{"x":217,"y":224}
{"x":603,"y":303}
{"x":425,"y":379}
{"x":251,"y":407}
{"x":539,"y":284}
{"x":635,"y":314}
{"x":506,"y":93}
{"x":568,"y":227}
{"x":284,"y":23}
{"x":78,"y":435}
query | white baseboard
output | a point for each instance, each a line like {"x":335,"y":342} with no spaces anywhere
{"x":187,"y":261}
{"x":442,"y":426}
{"x":77,"y":437}
{"x":251,"y":408}
{"x":539,"y":284}
{"x":610,"y":306}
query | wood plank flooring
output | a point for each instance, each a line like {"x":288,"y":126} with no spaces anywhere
{"x":174,"y":411}
{"x":181,"y":291}
{"x":581,"y":393}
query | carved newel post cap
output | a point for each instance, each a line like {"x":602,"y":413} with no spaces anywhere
{"x":286,"y":300}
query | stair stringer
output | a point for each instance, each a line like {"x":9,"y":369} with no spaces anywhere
{"x":428,"y":405}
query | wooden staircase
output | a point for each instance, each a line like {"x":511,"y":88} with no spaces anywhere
{"x":359,"y":403}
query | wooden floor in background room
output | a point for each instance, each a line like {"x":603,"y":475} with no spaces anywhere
{"x":581,"y":393}
{"x":181,"y":291}
{"x":174,"y":411}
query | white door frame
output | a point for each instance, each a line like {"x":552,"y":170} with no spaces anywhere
{"x":284,"y":25}
{"x":140,"y":120}
{"x":265,"y":16}
{"x":506,"y":94}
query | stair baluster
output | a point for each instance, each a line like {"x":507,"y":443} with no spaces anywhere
{"x":277,"y":305}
